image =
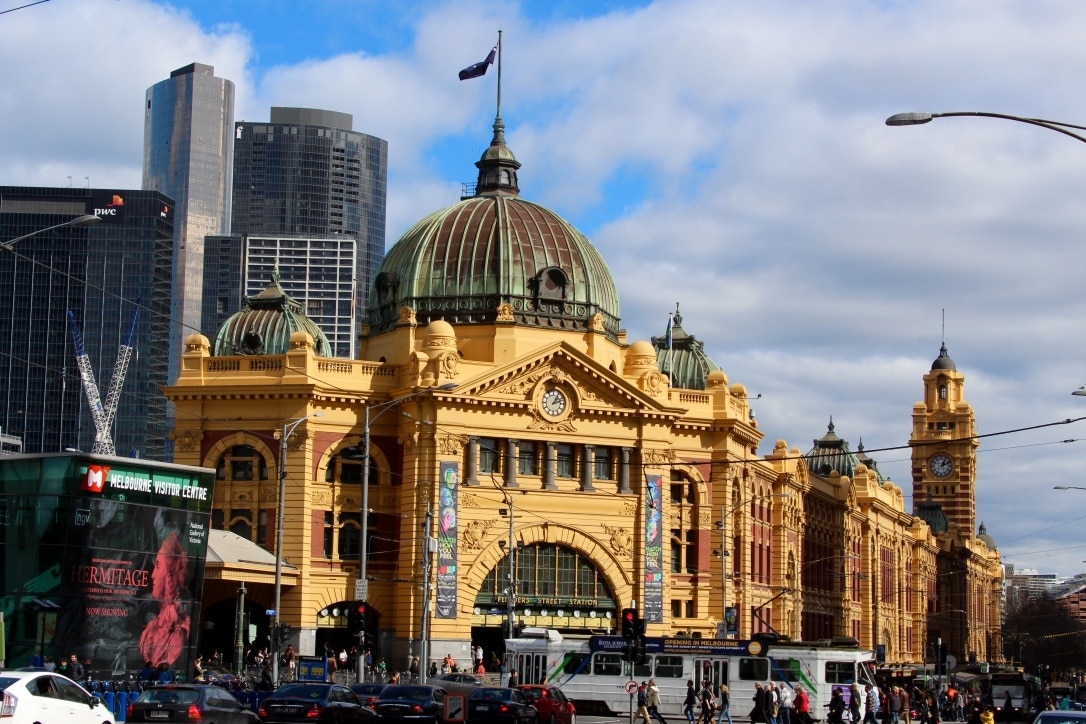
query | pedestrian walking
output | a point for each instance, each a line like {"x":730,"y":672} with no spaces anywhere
{"x":708,"y":702}
{"x":652,"y":701}
{"x":690,"y":701}
{"x":724,"y":704}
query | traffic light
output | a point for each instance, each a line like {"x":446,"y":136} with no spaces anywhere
{"x":285,"y":632}
{"x":629,"y":623}
{"x":639,"y":655}
{"x":356,"y":616}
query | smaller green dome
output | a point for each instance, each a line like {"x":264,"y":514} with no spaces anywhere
{"x":265,"y":323}
{"x":682,"y":356}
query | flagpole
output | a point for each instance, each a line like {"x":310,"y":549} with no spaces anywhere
{"x":499,"y":114}
{"x":670,"y":354}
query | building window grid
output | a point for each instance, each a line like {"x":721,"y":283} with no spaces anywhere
{"x":548,"y":570}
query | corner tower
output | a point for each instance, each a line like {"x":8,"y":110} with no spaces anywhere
{"x":944,"y":445}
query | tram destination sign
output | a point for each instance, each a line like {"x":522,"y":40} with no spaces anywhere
{"x":700,"y":647}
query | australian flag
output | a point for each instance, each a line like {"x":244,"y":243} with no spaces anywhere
{"x":479,"y":69}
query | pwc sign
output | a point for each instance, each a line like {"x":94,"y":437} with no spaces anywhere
{"x":106,"y":205}
{"x":95,"y":479}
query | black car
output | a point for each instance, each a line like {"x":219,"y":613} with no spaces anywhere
{"x":410,"y":703}
{"x":499,"y":704}
{"x":189,"y":702}
{"x":368,"y":692}
{"x":313,"y":702}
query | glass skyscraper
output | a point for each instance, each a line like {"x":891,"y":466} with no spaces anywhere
{"x":98,"y":272}
{"x":304,"y":184}
{"x":187,"y":155}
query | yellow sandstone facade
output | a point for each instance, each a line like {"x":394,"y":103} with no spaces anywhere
{"x":506,"y":409}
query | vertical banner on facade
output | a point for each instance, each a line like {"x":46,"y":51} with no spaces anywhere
{"x":731,"y":621}
{"x":653,"y":609}
{"x":446,"y":539}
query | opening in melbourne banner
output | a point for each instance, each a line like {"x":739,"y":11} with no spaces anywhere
{"x":448,"y":494}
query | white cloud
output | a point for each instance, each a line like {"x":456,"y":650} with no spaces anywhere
{"x":730,"y":156}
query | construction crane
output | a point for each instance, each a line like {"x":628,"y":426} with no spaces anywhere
{"x":103,"y":414}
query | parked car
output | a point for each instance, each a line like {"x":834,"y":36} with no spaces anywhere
{"x":500,"y":705}
{"x":461,"y":683}
{"x":410,"y":703}
{"x":1060,"y":716}
{"x":189,"y":702}
{"x":313,"y":702}
{"x":550,"y":702}
{"x":38,"y":695}
{"x":368,"y":692}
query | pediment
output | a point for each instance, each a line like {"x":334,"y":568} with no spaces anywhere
{"x":590,"y":387}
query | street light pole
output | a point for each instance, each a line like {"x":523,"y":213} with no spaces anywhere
{"x":85,"y":220}
{"x":428,"y":545}
{"x":915,"y":119}
{"x":288,"y":428}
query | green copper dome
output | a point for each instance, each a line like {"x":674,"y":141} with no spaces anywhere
{"x":682,"y":357}
{"x":495,"y":257}
{"x":265,"y":323}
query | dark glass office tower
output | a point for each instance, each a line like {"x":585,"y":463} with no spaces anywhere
{"x":302,"y":177}
{"x":188,"y":155}
{"x":98,"y":272}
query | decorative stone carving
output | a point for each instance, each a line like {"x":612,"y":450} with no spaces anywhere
{"x":468,"y":500}
{"x":451,"y":444}
{"x":652,"y":456}
{"x":409,"y":440}
{"x":475,"y":533}
{"x":629,"y":509}
{"x":188,"y":440}
{"x":653,"y":382}
{"x":621,"y":540}
{"x":595,"y":322}
{"x":541,"y":423}
{"x":322,"y":499}
{"x":407,"y":316}
{"x":505,"y":313}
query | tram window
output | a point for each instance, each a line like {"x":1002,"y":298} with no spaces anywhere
{"x":840,"y":672}
{"x":753,"y":669}
{"x":785,"y":670}
{"x":643,"y":671}
{"x":607,"y":665}
{"x":669,"y":667}
{"x":576,"y":664}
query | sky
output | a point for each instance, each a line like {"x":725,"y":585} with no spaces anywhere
{"x":728,"y":156}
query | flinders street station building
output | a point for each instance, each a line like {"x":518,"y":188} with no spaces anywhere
{"x":500,"y":455}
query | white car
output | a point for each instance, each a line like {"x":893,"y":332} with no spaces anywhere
{"x":42,"y":697}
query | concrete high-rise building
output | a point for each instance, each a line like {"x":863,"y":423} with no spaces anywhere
{"x":98,"y":272}
{"x":307,"y":188}
{"x":187,"y":155}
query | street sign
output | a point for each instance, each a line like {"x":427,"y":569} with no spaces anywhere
{"x":631,"y":687}
{"x":454,"y":708}
{"x":361,"y":590}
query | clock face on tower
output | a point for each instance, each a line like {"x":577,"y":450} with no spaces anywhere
{"x":553,"y":402}
{"x":941,"y":465}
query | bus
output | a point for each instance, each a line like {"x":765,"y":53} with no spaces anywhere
{"x":1013,"y":693}
{"x":593,"y":671}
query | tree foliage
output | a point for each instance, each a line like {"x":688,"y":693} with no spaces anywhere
{"x":1044,"y":636}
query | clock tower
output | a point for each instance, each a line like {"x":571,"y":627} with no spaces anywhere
{"x":944,"y":445}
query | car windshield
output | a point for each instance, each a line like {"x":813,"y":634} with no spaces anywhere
{"x":169,"y":696}
{"x":1061,"y":717}
{"x":301,"y":691}
{"x":6,"y":681}
{"x":410,"y":693}
{"x":367,"y":688}
{"x":532,"y":694}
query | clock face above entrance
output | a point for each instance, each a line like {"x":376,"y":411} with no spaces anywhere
{"x":941,"y":465}
{"x":553,"y":402}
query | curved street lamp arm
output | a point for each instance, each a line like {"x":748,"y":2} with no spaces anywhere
{"x":915,"y":119}
{"x":84,"y":220}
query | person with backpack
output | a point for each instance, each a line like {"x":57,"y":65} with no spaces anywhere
{"x":708,"y":702}
{"x":643,"y":703}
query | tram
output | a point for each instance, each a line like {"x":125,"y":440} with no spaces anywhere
{"x":593,"y":671}
{"x":1013,"y":693}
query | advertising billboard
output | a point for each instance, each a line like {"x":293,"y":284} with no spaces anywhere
{"x":103,"y":558}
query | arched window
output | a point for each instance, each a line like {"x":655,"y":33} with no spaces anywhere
{"x":241,"y":463}
{"x":556,"y":575}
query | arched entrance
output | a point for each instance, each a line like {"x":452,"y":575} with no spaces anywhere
{"x":347,"y":626}
{"x":557,"y":587}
